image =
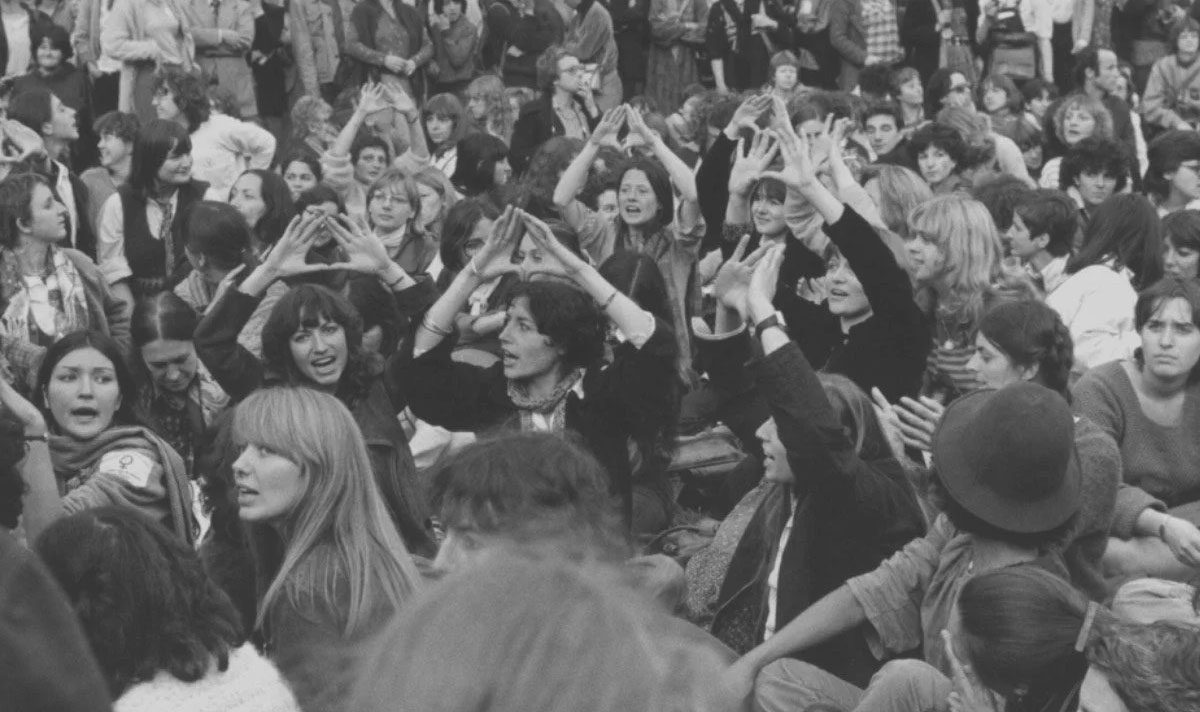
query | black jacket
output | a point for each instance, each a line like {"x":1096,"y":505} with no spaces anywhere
{"x":626,"y":400}
{"x":851,"y":513}
{"x":537,"y":124}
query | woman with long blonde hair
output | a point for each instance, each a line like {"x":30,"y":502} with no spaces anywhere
{"x":334,"y":567}
{"x":956,"y":257}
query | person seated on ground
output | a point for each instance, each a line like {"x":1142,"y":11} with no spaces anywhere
{"x":1009,"y":481}
{"x":1044,"y":224}
{"x":165,"y":636}
{"x":842,"y":502}
{"x":651,"y":220}
{"x":329,"y":560}
{"x":589,"y":643}
{"x":1151,"y":406}
{"x":1027,"y":341}
{"x":1031,"y":640}
{"x":313,"y":337}
{"x":553,"y":376}
{"x":47,"y":289}
{"x":539,"y":490}
{"x":100,"y":454}
{"x":1181,"y":241}
{"x":393,"y":136}
{"x":1091,"y":172}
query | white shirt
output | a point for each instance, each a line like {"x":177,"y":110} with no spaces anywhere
{"x":110,"y":243}
{"x":105,"y":62}
{"x":1096,"y":304}
{"x":223,"y":148}
{"x":773,"y":579}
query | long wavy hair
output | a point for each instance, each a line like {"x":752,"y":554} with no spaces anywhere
{"x":340,"y":533}
{"x":1126,"y":229}
{"x":964,"y":231}
{"x":142,"y":596}
{"x":499,"y":117}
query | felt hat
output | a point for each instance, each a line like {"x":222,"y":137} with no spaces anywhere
{"x":1008,"y":457}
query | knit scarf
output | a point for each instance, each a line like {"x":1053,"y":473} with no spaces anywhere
{"x":73,"y":458}
{"x":553,"y":404}
{"x":30,"y":313}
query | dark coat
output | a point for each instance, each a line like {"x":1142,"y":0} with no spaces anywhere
{"x":851,"y":513}
{"x":537,"y":124}
{"x":628,"y":399}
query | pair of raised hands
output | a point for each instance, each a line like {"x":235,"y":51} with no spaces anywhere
{"x":746,"y":282}
{"x":507,"y":252}
{"x":364,"y":251}
{"x":624,"y":115}
{"x":376,"y":97}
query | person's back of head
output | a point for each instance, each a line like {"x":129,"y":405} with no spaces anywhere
{"x":524,"y":488}
{"x":142,"y":595}
{"x":1127,"y":230}
{"x":1000,"y":196}
{"x":530,"y":633}
{"x":1150,"y":668}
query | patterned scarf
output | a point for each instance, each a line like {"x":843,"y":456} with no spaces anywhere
{"x":553,"y":405}
{"x":41,"y":309}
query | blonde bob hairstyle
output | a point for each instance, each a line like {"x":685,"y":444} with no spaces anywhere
{"x":531,"y":631}
{"x":900,"y":190}
{"x":964,"y":232}
{"x":341,"y":548}
{"x":1089,"y":105}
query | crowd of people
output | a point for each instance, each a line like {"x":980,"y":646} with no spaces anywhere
{"x":601,"y":355}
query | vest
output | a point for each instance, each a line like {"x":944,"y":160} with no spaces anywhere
{"x":145,"y":253}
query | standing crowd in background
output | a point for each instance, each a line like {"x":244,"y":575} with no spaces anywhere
{"x":600,"y":355}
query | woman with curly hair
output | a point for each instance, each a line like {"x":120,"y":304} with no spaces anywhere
{"x":165,"y":636}
{"x":221,"y":144}
{"x":488,"y":106}
{"x":311,"y":131}
{"x":1078,"y":117}
{"x":552,"y":376}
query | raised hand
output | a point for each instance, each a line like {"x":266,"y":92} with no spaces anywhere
{"x":286,"y":257}
{"x":798,"y":170}
{"x":732,"y":283}
{"x":969,"y":694}
{"x":889,"y":420}
{"x":746,"y":116}
{"x":633,"y":118}
{"x":495,"y":257}
{"x":760,"y":295}
{"x":747,"y":168}
{"x":919,"y":421}
{"x":25,"y":142}
{"x":365,"y":252}
{"x":30,"y":418}
{"x":610,"y":124}
{"x":557,"y":259}
{"x":371,"y":99}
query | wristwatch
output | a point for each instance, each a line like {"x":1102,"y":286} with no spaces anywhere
{"x":775,"y":320}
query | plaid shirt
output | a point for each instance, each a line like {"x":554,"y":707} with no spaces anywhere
{"x":882,"y":32}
